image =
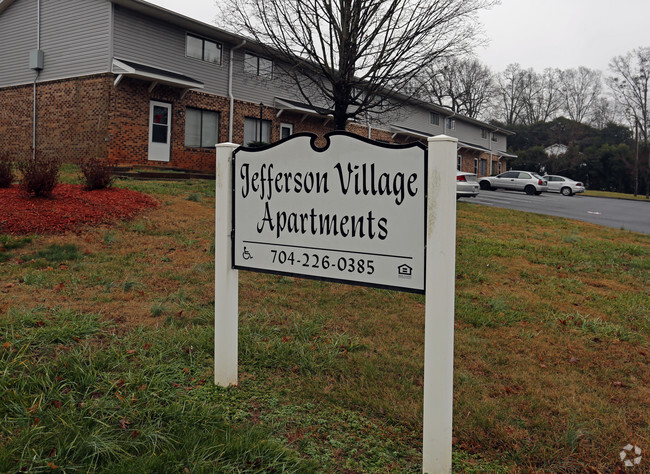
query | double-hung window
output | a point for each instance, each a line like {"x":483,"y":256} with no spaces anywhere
{"x":434,"y":118}
{"x":451,"y":124}
{"x":202,"y":49}
{"x":256,"y":131}
{"x":201,"y":128}
{"x":258,"y":66}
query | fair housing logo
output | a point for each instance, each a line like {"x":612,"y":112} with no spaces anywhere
{"x":631,"y":455}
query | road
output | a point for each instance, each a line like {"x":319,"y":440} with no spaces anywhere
{"x":617,"y":213}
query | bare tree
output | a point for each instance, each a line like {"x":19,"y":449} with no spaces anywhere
{"x":463,"y":85}
{"x":541,"y":96}
{"x":605,"y":111}
{"x":581,"y":89}
{"x":353,"y":55}
{"x":629,"y":85}
{"x":511,"y":93}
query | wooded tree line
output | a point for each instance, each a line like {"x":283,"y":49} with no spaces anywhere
{"x":602,"y":117}
{"x":518,"y":96}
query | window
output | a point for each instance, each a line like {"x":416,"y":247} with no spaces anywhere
{"x":494,"y":137}
{"x":286,"y":130}
{"x":459,"y":165}
{"x":451,"y":124}
{"x":202,"y":49}
{"x":258,"y":66}
{"x":484,"y":133}
{"x":510,"y":174}
{"x":434,"y":118}
{"x":483,"y":167}
{"x":253,"y":132}
{"x":476,"y":166}
{"x":201,"y":128}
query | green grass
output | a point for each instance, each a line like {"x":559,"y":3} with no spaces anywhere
{"x":608,"y":194}
{"x":106,"y":352}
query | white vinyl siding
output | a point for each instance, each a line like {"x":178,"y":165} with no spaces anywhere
{"x":75,"y":39}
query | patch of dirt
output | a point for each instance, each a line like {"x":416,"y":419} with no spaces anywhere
{"x":68,"y":209}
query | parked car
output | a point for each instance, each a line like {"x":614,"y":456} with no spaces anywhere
{"x":466,"y":185}
{"x":527,"y":181}
{"x":564,"y":185}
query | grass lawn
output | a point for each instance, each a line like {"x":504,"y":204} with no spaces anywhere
{"x":106,"y":352}
{"x":607,"y":194}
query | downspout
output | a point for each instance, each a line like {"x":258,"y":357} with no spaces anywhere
{"x":38,"y":73}
{"x":230,"y":94}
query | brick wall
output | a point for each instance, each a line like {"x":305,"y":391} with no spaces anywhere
{"x":16,"y":121}
{"x":89,"y":116}
{"x":71,"y":118}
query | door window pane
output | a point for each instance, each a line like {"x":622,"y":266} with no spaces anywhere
{"x":159,"y":133}
{"x":160,"y":115}
{"x":286,"y":130}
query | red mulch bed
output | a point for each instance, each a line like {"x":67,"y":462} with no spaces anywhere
{"x":69,"y":208}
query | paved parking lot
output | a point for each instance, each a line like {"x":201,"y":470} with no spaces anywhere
{"x":617,"y":213}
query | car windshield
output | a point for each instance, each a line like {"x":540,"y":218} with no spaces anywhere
{"x":536,"y":175}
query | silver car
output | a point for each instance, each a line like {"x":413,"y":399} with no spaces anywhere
{"x":564,"y":185}
{"x":527,"y":181}
{"x":466,"y":185}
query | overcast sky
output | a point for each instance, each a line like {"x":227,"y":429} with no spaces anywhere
{"x":535,"y":33}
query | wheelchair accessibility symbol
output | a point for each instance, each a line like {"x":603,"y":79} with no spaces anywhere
{"x":246,"y":254}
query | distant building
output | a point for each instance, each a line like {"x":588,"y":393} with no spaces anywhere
{"x":556,"y":150}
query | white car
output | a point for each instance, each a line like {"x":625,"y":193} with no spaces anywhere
{"x":564,"y":185}
{"x":513,"y":180}
{"x":466,"y":185}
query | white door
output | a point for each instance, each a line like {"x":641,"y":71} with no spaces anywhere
{"x":160,"y":116}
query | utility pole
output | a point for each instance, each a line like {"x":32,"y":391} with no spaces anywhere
{"x":636,"y":156}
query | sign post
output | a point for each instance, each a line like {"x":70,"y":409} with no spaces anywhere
{"x":226,"y":290}
{"x":439,"y":307}
{"x":353,"y":211}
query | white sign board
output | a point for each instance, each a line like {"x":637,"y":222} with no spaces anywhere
{"x":353,"y":211}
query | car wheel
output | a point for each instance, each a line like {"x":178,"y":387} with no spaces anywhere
{"x":485,"y":185}
{"x":566,"y":191}
{"x":530,"y":189}
{"x":537,"y":193}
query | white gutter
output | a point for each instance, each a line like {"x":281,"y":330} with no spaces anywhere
{"x":230,"y":94}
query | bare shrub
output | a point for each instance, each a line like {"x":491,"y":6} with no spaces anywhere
{"x":40,"y":173}
{"x":6,"y":171}
{"x":96,"y":173}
